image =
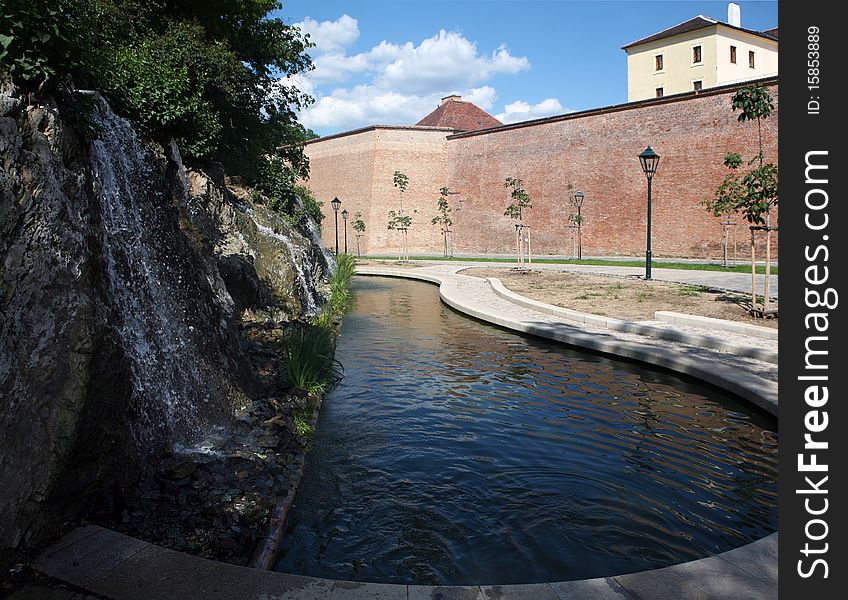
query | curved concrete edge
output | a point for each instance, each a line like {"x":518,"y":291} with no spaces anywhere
{"x":120,"y":567}
{"x":706,"y":341}
{"x":753,"y":388}
{"x":743,"y":328}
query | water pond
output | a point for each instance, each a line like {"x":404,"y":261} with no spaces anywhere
{"x":454,"y":452}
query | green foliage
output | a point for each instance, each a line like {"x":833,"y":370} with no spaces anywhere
{"x":358,"y":223}
{"x":204,"y":72}
{"x":443,"y":209}
{"x":33,"y":43}
{"x":754,"y":193}
{"x":399,"y":221}
{"x":341,"y":300}
{"x":754,"y":102}
{"x":519,"y":196}
{"x":303,"y":423}
{"x":308,"y":354}
{"x":277,"y":187}
{"x":400,"y":181}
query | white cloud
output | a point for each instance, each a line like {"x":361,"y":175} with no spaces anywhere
{"x":445,"y":60}
{"x":362,"y":105}
{"x":330,"y":36}
{"x":366,"y":105}
{"x":398,"y":83}
{"x":523,"y":111}
{"x":484,"y":97}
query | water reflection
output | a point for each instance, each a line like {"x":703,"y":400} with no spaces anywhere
{"x":456,"y":453}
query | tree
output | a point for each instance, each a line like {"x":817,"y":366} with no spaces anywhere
{"x":397,"y":219}
{"x":359,"y":228}
{"x":210,"y":74}
{"x":519,"y":200}
{"x":442,"y":218}
{"x":754,"y":193}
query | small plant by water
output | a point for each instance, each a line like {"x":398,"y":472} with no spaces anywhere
{"x":303,"y":423}
{"x":340,"y":298}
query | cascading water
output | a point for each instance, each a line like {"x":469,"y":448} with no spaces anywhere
{"x":314,"y":233}
{"x":154,"y":291}
{"x":306,"y":279}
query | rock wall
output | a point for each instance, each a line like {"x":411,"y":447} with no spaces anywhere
{"x":123,"y":284}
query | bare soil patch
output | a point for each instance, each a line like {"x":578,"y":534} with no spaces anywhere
{"x":622,"y":298}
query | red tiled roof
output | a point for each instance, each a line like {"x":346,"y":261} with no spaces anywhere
{"x":461,"y":116}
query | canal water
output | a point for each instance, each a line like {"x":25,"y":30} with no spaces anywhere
{"x":454,"y":452}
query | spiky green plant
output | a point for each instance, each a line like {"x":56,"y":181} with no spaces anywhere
{"x":308,"y":354}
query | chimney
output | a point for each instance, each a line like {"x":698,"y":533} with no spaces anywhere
{"x":734,"y":15}
{"x":451,"y":98}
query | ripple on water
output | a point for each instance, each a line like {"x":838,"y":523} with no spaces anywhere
{"x":453,"y":452}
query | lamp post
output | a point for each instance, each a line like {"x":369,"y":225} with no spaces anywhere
{"x":336,"y":203}
{"x":578,"y":200}
{"x":649,"y":160}
{"x":344,"y":218}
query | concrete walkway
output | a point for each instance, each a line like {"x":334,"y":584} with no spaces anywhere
{"x":719,"y":280}
{"x":115,"y":566}
{"x":119,"y":567}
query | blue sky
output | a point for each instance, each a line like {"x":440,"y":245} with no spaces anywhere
{"x":381,"y":62}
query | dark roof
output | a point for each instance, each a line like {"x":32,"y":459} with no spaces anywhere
{"x":772,"y":31}
{"x":460,"y":116}
{"x":699,"y":22}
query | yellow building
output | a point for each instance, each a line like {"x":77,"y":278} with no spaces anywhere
{"x":700,"y":53}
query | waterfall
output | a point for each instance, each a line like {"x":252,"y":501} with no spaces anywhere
{"x":306,"y":279}
{"x":154,"y":290}
{"x":312,"y":230}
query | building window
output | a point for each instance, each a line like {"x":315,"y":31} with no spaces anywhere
{"x":696,"y":54}
{"x":659,"y":62}
{"x":698,"y":85}
{"x":751,"y":58}
{"x":733,"y":54}
{"x":659,"y":92}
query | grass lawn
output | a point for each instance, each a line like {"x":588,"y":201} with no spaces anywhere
{"x":614,"y":263}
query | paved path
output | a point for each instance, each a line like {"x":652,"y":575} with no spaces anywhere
{"x":113,"y":565}
{"x":720,"y":280}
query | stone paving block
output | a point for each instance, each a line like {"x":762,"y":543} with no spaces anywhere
{"x":157,"y":573}
{"x":524,"y":591}
{"x":352,"y":590}
{"x":721,"y":580}
{"x":282,"y":586}
{"x":604,"y":588}
{"x":758,"y":559}
{"x":37,"y":592}
{"x":77,"y":535}
{"x":83,"y":562}
{"x":429,"y":592}
{"x":663,"y":583}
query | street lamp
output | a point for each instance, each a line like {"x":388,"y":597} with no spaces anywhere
{"x":578,"y":200}
{"x":344,"y":218}
{"x":336,"y":203}
{"x":649,"y":160}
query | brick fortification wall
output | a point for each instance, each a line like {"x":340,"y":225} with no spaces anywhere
{"x":358,"y":168}
{"x":595,"y":150}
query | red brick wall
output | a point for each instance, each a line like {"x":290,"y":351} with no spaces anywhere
{"x":359,"y":169}
{"x":597,"y":152}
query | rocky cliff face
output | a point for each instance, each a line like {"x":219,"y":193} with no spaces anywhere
{"x":123,"y":283}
